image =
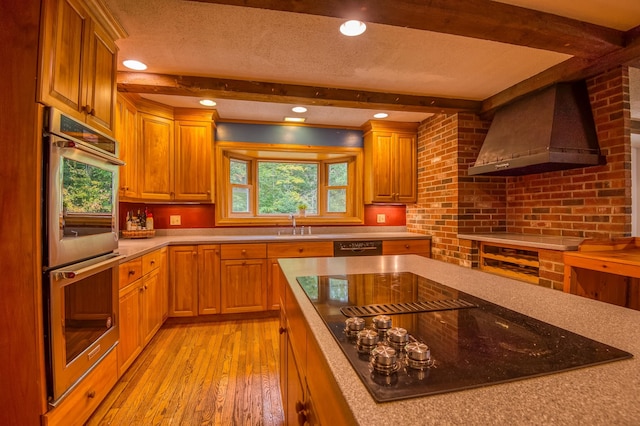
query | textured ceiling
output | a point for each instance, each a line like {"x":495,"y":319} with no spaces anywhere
{"x":200,"y":39}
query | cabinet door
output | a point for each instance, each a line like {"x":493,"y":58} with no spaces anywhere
{"x":130,"y":342}
{"x":294,"y":404}
{"x":65,"y":30}
{"x":193,"y":168}
{"x":243,"y":285}
{"x":183,"y":281}
{"x":273,"y":300}
{"x":151,"y":305}
{"x":100,"y":80}
{"x":208,"y":279}
{"x":383,"y":178}
{"x":155,"y":174}
{"x":126,"y":134}
{"x":404,"y":168}
{"x":164,"y":284}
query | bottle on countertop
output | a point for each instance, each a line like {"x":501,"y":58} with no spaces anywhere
{"x":129,"y":221}
{"x":149,"y":219}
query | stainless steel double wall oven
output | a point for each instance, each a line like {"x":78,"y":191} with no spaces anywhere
{"x":80,"y":232}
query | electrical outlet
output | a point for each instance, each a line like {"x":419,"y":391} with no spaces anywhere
{"x":381,"y":218}
{"x":175,"y":220}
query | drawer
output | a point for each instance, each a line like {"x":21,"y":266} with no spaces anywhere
{"x":243,"y":251}
{"x":130,"y":271}
{"x":152,"y":261}
{"x":319,"y":249}
{"x":78,"y":406}
{"x":421,"y":247}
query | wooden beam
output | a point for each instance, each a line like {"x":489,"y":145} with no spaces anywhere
{"x":166,"y":84}
{"x":569,"y":70}
{"x":635,"y":126}
{"x":481,"y":19}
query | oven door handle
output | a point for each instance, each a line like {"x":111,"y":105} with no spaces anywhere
{"x":66,"y":143}
{"x":84,"y":269}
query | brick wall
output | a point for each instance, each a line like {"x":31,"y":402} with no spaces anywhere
{"x":585,"y":202}
{"x":591,"y":202}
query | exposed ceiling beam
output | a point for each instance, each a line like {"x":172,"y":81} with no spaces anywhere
{"x":222,"y":88}
{"x":635,"y":126}
{"x":482,"y":19}
{"x":569,"y":70}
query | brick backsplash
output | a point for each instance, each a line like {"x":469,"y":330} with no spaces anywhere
{"x":592,"y":202}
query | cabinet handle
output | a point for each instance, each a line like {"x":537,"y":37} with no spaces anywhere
{"x":300,"y":250}
{"x":153,"y":262}
{"x":243,"y":251}
{"x":302,"y":413}
{"x":406,"y":246}
{"x":132,"y":272}
{"x":195,"y":253}
{"x":89,"y":110}
{"x":91,"y":394}
{"x":282,"y":330}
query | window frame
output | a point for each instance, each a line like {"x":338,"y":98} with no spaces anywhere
{"x":324,"y":155}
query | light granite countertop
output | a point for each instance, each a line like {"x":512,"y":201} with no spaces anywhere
{"x":549,"y":242}
{"x":132,"y":248}
{"x":599,"y":395}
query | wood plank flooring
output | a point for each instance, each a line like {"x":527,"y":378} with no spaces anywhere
{"x":213,"y":373}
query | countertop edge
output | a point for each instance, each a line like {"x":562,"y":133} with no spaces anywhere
{"x":547,"y":242}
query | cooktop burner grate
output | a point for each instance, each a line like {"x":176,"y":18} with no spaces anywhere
{"x":405,"y":308}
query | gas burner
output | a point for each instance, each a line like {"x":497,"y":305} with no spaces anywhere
{"x":367,"y":340}
{"x":353,"y":326}
{"x":384,"y":360}
{"x":418,"y":356}
{"x":397,"y":337}
{"x":382,"y":323}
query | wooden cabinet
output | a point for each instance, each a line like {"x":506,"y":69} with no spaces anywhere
{"x":390,"y":162}
{"x":299,"y":354}
{"x":419,"y":247}
{"x":285,"y":250}
{"x":243,"y":278}
{"x":155,"y":156}
{"x":174,"y":155}
{"x":608,"y":271}
{"x":78,"y":63}
{"x":83,"y":400}
{"x":127,"y":134}
{"x":208,"y":279}
{"x":141,"y":304}
{"x":183,"y":281}
{"x":193,"y":165}
{"x":194,"y":284}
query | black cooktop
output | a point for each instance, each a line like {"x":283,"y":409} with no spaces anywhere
{"x":472,"y":342}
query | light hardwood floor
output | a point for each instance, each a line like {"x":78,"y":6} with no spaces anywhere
{"x":213,"y":373}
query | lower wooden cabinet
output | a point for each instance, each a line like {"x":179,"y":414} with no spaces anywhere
{"x":419,"y":247}
{"x":141,"y":304}
{"x":194,"y":280}
{"x":83,"y":400}
{"x":299,"y":355}
{"x":243,"y":278}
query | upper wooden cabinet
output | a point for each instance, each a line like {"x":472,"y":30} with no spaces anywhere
{"x":78,"y":62}
{"x":193,"y":166}
{"x":390,"y":162}
{"x":168,"y":152}
{"x":127,"y":135}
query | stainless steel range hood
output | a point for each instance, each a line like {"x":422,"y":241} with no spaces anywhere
{"x":550,"y":130}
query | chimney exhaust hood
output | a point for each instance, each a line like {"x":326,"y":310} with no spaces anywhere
{"x":550,"y":130}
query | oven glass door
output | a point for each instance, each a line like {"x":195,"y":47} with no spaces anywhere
{"x":82,"y":203}
{"x":83,"y":318}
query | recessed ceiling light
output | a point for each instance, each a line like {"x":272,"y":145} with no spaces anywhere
{"x":381,"y":115}
{"x":207,"y":102}
{"x":295,"y":119}
{"x":299,"y":109}
{"x":134,"y":65}
{"x":353,"y":28}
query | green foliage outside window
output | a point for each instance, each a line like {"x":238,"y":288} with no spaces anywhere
{"x":85,"y":188}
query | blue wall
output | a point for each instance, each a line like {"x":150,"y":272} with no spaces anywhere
{"x":283,"y":134}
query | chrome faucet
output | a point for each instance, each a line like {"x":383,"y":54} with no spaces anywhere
{"x":293,"y":223}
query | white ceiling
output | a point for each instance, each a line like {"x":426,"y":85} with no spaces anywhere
{"x":210,"y":40}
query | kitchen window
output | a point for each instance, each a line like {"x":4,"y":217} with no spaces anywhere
{"x":264,"y":184}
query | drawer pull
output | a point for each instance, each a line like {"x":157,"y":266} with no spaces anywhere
{"x":132,"y":272}
{"x":91,"y":394}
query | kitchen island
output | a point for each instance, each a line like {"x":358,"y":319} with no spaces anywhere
{"x":603,"y":394}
